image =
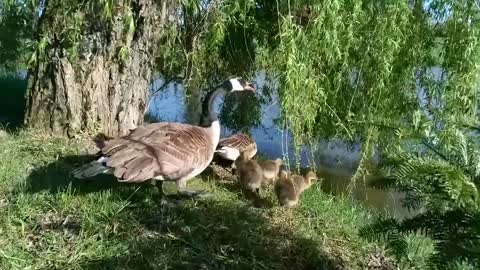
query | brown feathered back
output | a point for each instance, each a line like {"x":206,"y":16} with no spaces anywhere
{"x":284,"y":187}
{"x":270,"y":169}
{"x":289,"y":187}
{"x":240,"y":142}
{"x":171,"y":150}
{"x":250,"y":175}
{"x":237,"y":141}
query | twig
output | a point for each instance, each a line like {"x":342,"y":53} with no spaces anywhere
{"x":436,"y":151}
{"x":472,"y":127}
{"x":176,"y":79}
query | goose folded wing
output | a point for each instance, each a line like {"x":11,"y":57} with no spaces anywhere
{"x":236,"y":141}
{"x":161,"y":149}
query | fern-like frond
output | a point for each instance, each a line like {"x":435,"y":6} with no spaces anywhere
{"x":443,"y":181}
{"x":413,"y":201}
{"x":430,"y":181}
{"x":380,"y":230}
{"x":386,"y":229}
{"x":456,"y":235}
{"x":397,"y":245}
{"x":383,"y":182}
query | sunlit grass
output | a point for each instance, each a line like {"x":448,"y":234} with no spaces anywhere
{"x":49,"y":220}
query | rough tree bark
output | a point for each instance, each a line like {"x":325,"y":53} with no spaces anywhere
{"x":98,"y":93}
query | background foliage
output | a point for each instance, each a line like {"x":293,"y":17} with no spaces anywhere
{"x":396,"y":75}
{"x":440,"y":183}
{"x":17,"y":23}
{"x":344,"y":68}
{"x":357,"y":70}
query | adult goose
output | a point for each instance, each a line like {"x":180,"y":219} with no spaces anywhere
{"x":165,"y":151}
{"x":230,"y":148}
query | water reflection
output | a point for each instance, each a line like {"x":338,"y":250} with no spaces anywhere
{"x":256,"y":115}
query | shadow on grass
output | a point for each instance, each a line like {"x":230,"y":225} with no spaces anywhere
{"x":213,"y":235}
{"x":12,"y":101}
{"x":55,"y":177}
{"x":230,"y":183}
{"x":219,"y":233}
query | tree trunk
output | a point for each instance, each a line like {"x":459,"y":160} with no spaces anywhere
{"x":99,"y":91}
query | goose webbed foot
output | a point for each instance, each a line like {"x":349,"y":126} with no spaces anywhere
{"x":164,"y":199}
{"x":254,"y":197}
{"x":159,"y":185}
{"x":188,"y":193}
{"x":196,"y":194}
{"x":170,"y":202}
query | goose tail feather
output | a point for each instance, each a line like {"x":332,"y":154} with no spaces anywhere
{"x":91,"y":169}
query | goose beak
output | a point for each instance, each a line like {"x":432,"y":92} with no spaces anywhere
{"x":250,"y":87}
{"x":239,"y":84}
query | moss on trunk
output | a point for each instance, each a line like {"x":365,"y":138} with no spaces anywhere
{"x":94,"y":78}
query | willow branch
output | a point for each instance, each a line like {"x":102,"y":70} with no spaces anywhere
{"x":176,"y":79}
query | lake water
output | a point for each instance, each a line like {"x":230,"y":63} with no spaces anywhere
{"x":335,"y":161}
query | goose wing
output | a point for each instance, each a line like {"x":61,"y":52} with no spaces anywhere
{"x":171,"y":150}
{"x":238,"y":141}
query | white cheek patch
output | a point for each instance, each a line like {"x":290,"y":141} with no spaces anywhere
{"x":236,"y":86}
{"x":228,"y":153}
{"x":103,"y":161}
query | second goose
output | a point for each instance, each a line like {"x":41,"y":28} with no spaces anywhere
{"x":230,"y":148}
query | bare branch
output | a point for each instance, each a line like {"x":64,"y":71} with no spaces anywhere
{"x":164,"y":85}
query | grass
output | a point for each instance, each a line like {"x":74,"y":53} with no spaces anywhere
{"x":50,"y":221}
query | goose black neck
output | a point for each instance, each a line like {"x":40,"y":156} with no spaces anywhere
{"x":208,"y":115}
